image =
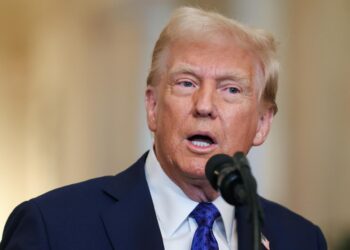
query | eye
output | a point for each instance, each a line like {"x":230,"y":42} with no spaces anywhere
{"x":233,"y":90}
{"x":184,"y":87}
{"x":186,"y":84}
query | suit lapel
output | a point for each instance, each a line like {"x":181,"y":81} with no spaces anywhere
{"x":131,"y":221}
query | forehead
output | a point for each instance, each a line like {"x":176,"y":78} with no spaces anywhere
{"x":211,"y":58}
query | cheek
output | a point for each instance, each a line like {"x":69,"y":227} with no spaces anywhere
{"x":176,"y":110}
{"x":239,"y":128}
{"x":169,"y":118}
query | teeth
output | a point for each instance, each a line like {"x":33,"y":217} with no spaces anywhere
{"x":200,"y":143}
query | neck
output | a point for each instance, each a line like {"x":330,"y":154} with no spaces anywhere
{"x":198,"y":190}
{"x":199,"y":193}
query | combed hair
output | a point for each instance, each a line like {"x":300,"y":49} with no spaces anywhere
{"x":194,"y":24}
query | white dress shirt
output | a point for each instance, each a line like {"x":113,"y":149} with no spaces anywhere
{"x":172,"y":208}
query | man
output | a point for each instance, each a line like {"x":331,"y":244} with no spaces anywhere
{"x":211,"y":89}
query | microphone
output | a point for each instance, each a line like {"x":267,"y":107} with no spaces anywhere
{"x":224,"y":174}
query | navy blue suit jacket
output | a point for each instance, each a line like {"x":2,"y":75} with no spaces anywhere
{"x":116,"y":212}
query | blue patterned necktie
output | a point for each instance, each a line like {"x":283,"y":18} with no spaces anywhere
{"x":205,"y":215}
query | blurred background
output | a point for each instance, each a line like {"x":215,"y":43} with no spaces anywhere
{"x":73,"y":74}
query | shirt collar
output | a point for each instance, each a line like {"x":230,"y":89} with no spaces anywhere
{"x":166,"y":196}
{"x":227,"y":212}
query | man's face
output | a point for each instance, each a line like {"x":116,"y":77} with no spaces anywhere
{"x":205,"y":103}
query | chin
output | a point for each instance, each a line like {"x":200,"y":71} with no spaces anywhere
{"x":197,"y":170}
{"x":192,"y":166}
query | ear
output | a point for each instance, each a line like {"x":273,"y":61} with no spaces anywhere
{"x":264,"y":125}
{"x":151,"y":107}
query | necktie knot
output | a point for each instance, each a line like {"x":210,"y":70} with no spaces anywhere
{"x":205,"y":214}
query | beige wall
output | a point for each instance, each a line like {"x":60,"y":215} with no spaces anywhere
{"x":68,"y":77}
{"x":72,"y":74}
{"x":319,"y":69}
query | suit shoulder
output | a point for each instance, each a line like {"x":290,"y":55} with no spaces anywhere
{"x":283,"y":225}
{"x":31,"y":222}
{"x":87,"y":193}
{"x":276,"y":212}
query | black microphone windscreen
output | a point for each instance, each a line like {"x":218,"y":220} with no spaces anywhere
{"x":214,"y":166}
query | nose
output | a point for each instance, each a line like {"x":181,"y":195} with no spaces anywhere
{"x":204,"y":102}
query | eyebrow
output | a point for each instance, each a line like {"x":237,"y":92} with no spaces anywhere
{"x":229,"y":75}
{"x":183,"y":69}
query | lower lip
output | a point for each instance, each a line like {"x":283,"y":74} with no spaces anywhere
{"x":201,"y":150}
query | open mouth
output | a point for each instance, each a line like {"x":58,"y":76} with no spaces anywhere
{"x":202,"y":141}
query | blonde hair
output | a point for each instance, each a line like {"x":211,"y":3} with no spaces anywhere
{"x":193,"y":23}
